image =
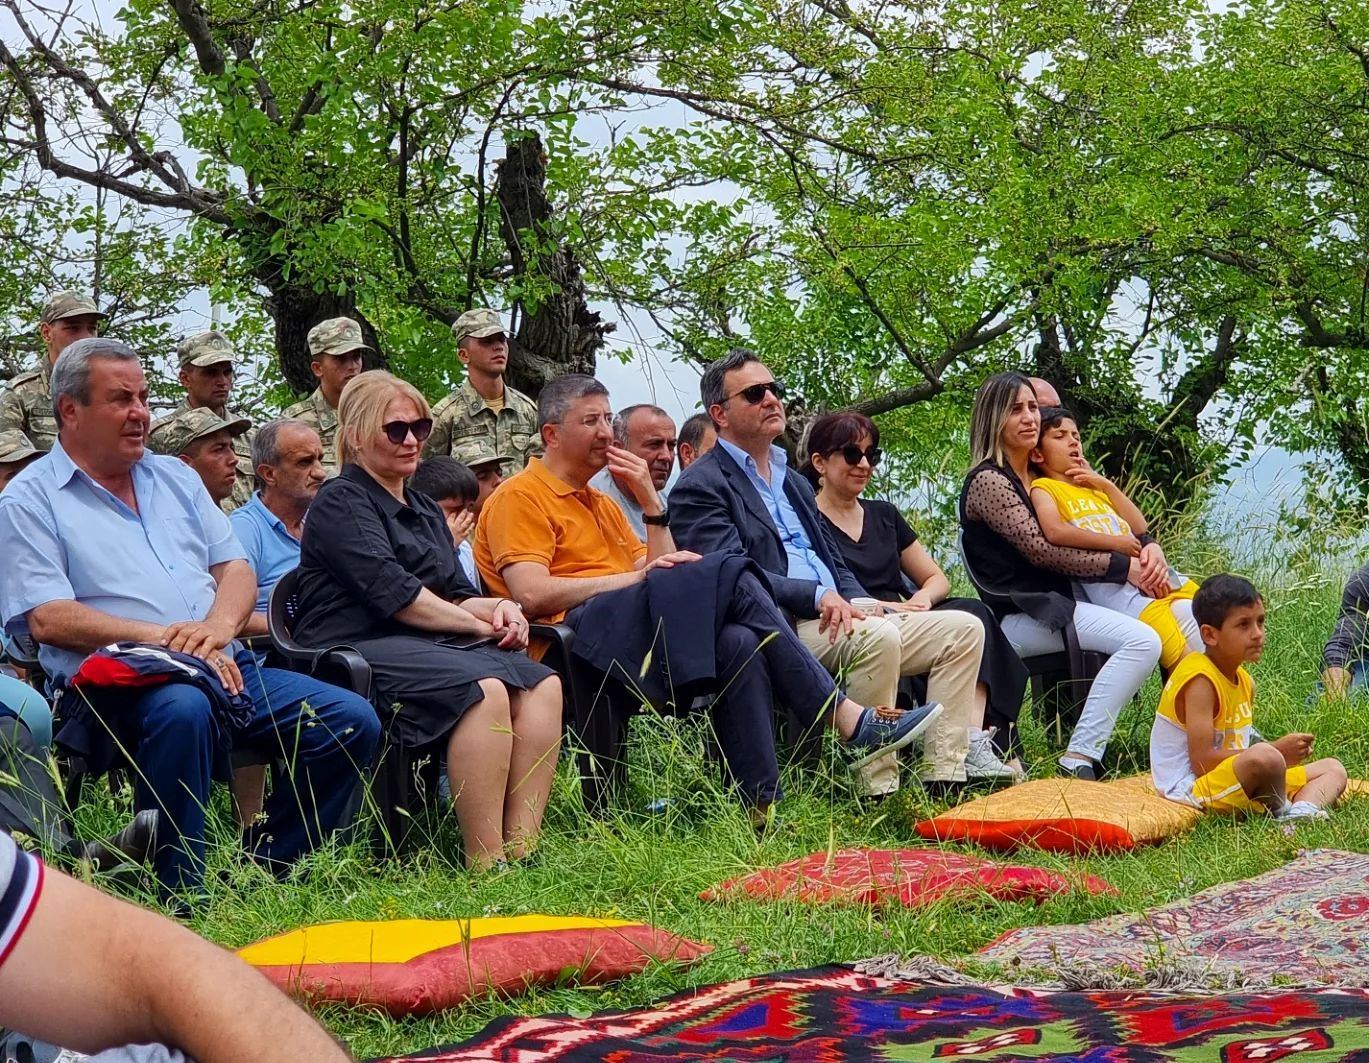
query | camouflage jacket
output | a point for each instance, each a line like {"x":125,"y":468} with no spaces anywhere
{"x":26,"y":406}
{"x":464,"y":427}
{"x":322,"y":418}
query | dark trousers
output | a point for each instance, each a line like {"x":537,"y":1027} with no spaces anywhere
{"x":324,"y":735}
{"x":761,"y":664}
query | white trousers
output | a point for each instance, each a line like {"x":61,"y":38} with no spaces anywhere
{"x":1133,"y":651}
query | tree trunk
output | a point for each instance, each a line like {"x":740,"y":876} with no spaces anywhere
{"x":558,"y":334}
{"x":295,"y":309}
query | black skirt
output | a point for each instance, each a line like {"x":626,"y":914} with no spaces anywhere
{"x":426,"y":687}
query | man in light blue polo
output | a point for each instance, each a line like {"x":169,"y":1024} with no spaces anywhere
{"x":287,"y":460}
{"x":105,"y":542}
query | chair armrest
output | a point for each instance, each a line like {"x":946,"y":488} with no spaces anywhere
{"x":350,"y":662}
{"x":560,"y":634}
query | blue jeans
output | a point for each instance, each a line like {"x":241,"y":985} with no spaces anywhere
{"x":325,"y":735}
{"x":23,"y":701}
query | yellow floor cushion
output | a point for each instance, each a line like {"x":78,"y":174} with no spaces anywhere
{"x":1065,"y":816}
{"x":413,"y":966}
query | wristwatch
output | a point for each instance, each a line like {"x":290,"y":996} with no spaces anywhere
{"x":660,"y":520}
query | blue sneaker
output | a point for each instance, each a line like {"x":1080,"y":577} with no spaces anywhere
{"x":880,"y":731}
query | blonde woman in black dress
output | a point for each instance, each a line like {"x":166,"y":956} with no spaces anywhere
{"x":377,"y":572}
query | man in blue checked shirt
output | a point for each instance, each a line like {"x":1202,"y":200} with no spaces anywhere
{"x":106,"y":542}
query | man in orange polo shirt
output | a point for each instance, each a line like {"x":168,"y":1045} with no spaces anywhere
{"x":556,"y":546}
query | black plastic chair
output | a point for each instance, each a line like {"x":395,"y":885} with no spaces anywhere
{"x":597,"y":718}
{"x":21,"y":651}
{"x":1060,"y":681}
{"x":341,"y":665}
{"x":392,"y":783}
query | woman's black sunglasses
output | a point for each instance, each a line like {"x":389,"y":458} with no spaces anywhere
{"x":398,"y":431}
{"x":852,"y":454}
{"x":756,"y":392}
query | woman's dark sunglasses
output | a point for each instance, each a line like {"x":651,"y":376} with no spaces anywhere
{"x":398,"y":431}
{"x":852,"y":454}
{"x":756,"y":392}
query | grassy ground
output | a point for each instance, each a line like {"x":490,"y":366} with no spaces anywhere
{"x":652,"y":867}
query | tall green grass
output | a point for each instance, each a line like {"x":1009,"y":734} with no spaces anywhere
{"x":652,"y":867}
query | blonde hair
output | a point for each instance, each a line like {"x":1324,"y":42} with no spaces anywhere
{"x":361,"y":409}
{"x":993,"y":403}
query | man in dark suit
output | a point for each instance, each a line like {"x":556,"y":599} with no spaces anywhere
{"x":742,"y":498}
{"x":562,"y":549}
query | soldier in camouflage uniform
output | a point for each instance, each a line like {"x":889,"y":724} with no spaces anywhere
{"x":16,"y":452}
{"x":204,"y":441}
{"x":26,"y":404}
{"x":335,"y":346}
{"x":484,"y":414}
{"x":207,"y":361}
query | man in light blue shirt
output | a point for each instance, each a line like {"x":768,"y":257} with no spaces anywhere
{"x":105,"y":542}
{"x":287,"y":460}
{"x":803,"y":561}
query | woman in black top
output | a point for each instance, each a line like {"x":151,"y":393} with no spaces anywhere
{"x":1029,"y":582}
{"x":377,"y":572}
{"x":883,"y":553}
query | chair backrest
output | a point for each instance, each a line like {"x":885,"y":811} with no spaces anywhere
{"x":281,"y":610}
{"x":983,"y":590}
{"x":21,"y":649}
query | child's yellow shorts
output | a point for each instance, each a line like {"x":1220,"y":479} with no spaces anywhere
{"x":1220,"y":791}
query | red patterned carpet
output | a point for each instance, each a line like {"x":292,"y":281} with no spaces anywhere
{"x":832,"y":1014}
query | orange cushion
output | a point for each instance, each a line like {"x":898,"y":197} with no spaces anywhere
{"x":415,"y":966}
{"x":906,"y":877}
{"x":1065,"y":816}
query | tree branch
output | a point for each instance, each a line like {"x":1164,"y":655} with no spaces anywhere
{"x":195,"y":25}
{"x":197,"y":202}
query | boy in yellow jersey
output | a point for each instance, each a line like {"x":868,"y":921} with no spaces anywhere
{"x":1200,"y":751}
{"x":1077,"y":507}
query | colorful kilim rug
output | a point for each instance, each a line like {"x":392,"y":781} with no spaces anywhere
{"x":832,"y":1015}
{"x":1306,"y":923}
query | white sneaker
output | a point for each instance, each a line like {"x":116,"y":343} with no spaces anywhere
{"x":982,"y":760}
{"x":1301,"y":810}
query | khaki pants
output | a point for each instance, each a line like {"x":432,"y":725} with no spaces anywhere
{"x":946,"y":645}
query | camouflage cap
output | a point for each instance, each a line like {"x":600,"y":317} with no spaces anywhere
{"x":68,"y":304}
{"x":478,"y":323}
{"x":479,"y":453}
{"x":337,"y":335}
{"x":205,"y":348}
{"x":15,"y":446}
{"x":173,"y":434}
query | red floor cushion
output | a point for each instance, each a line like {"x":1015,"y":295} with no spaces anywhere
{"x":415,"y":966}
{"x":907,"y":877}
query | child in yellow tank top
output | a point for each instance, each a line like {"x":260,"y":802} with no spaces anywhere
{"x":1200,"y":750}
{"x":1077,"y":507}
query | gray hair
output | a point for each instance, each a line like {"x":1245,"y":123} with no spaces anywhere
{"x":624,"y":415}
{"x":557,"y":395}
{"x":71,"y":373}
{"x":266,"y":443}
{"x":711,"y":387}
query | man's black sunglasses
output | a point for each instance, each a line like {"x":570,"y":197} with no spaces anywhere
{"x":852,"y":454}
{"x":398,"y":431}
{"x":756,"y":392}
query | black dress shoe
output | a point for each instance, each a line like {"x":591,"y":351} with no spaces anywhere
{"x":132,"y":845}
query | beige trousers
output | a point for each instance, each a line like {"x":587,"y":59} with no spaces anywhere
{"x":946,"y":645}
